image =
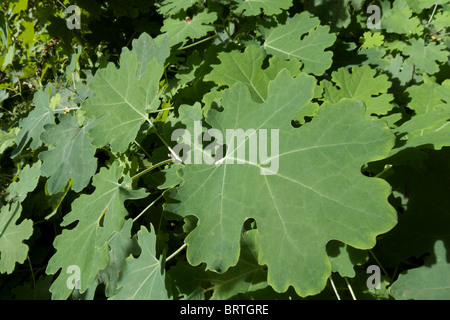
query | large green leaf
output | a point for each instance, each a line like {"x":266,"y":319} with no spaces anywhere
{"x":70,"y":155}
{"x":124,"y":96}
{"x":430,"y":126}
{"x":424,"y":97}
{"x":301,"y":37}
{"x":147,"y":48}
{"x":122,"y":244}
{"x":99,"y":216}
{"x":420,"y":5}
{"x":315,"y":194}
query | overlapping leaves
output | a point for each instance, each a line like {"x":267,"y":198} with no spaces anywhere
{"x":71,"y":155}
{"x":12,"y":235}
{"x":124,"y":97}
{"x":286,"y":218}
{"x":429,"y":282}
{"x":99,"y":216}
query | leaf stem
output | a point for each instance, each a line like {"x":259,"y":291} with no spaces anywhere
{"x":162,"y":110}
{"x":151,"y":168}
{"x":334,"y":288}
{"x":176,"y":252}
{"x":198,"y":42}
{"x":143,"y":150}
{"x":173,"y":154}
{"x":66,"y":109}
{"x":432,"y":14}
{"x":386,"y":168}
{"x":380,"y":265}
{"x":148,"y":207}
{"x":350,"y":288}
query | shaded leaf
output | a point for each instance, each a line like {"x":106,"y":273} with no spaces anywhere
{"x":171,"y":7}
{"x":429,"y":282}
{"x":99,"y":216}
{"x":428,"y":57}
{"x":33,"y":125}
{"x":143,"y":278}
{"x":12,"y":235}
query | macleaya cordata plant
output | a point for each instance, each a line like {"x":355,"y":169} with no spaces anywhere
{"x":252,"y":150}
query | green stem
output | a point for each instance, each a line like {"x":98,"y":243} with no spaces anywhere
{"x":350,"y":288}
{"x":380,"y":265}
{"x":198,"y":42}
{"x":176,"y":252}
{"x":32,"y":272}
{"x":386,"y":168}
{"x":148,"y":207}
{"x":334,"y":288}
{"x":173,"y":154}
{"x":432,"y":14}
{"x":151,"y":168}
{"x":162,"y":110}
{"x":143,"y":150}
{"x":62,"y":4}
{"x":66,"y":109}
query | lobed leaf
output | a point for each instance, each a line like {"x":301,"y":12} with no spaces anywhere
{"x":124,"y":97}
{"x":301,"y":37}
{"x":269,"y":7}
{"x":317,"y":193}
{"x":70,"y":154}
{"x":12,"y":235}
{"x":99,"y":216}
{"x":430,"y":282}
{"x":143,"y":278}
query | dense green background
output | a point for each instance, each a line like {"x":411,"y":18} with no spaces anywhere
{"x":399,"y":72}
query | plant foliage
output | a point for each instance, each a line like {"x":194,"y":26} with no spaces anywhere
{"x":97,"y":203}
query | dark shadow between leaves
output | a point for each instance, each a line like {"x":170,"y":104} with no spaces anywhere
{"x":420,"y":181}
